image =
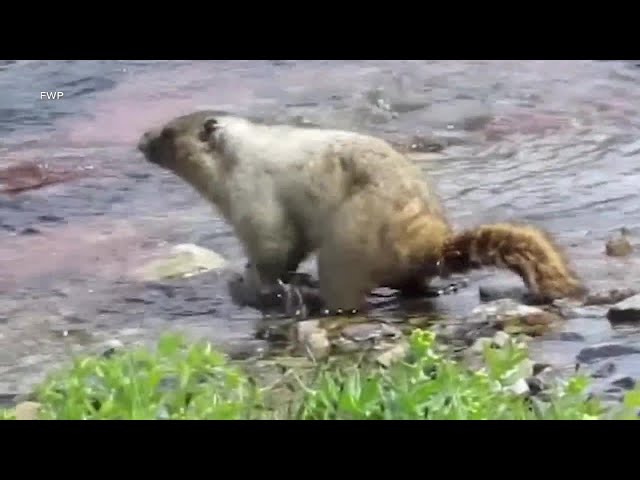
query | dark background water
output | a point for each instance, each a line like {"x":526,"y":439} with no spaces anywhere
{"x":550,"y":142}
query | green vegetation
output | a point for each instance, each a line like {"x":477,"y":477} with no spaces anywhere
{"x":178,"y":380}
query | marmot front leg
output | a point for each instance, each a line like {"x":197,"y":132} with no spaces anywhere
{"x":270,"y":279}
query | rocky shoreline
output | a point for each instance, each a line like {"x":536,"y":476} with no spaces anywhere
{"x":502,"y":316}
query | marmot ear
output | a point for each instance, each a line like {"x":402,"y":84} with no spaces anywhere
{"x":210,"y":125}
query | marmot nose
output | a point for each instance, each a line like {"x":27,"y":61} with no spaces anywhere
{"x":143,"y":143}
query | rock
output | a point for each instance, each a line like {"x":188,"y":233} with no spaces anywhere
{"x":504,"y":309}
{"x":626,"y":383}
{"x":500,"y":339}
{"x":619,"y":246}
{"x":471,"y":335}
{"x":421,"y":321}
{"x":566,"y":337}
{"x":520,"y":387}
{"x":392,"y":355}
{"x":424,"y":144}
{"x":312,"y":340}
{"x":514,"y":317}
{"x":625,"y":311}
{"x":573,"y":309}
{"x":502,"y":289}
{"x":362,"y":332}
{"x":609,"y":296}
{"x":450,"y":332}
{"x":538,"y":368}
{"x":27,"y":411}
{"x":110,"y":347}
{"x":344,"y":345}
{"x":481,"y":344}
{"x":609,"y":350}
{"x":184,"y":260}
{"x":604,"y":371}
{"x":535,"y":385}
{"x":548,"y":376}
{"x":318,"y":346}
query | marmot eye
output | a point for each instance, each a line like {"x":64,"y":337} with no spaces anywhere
{"x":168,"y":132}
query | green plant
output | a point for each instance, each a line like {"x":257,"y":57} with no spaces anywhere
{"x":179,"y":380}
{"x":429,"y":386}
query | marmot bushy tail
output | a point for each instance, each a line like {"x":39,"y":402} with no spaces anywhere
{"x":524,"y":249}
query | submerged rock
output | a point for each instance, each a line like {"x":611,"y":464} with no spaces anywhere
{"x":566,"y":337}
{"x":108,"y":348}
{"x":626,"y":383}
{"x":497,"y":289}
{"x":626,"y":311}
{"x":513,"y":317}
{"x":608,"y":350}
{"x":619,"y":246}
{"x":363,"y":332}
{"x":604,"y":370}
{"x":184,"y":260}
{"x":609,"y":296}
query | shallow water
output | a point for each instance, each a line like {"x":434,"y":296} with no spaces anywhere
{"x":550,"y":142}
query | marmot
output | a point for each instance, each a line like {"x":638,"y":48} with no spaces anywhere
{"x":369,"y":212}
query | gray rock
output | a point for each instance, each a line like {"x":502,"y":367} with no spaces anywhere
{"x":625,"y":311}
{"x":362,"y":332}
{"x":609,"y":296}
{"x":500,"y":339}
{"x":502,"y":309}
{"x":594,"y":311}
{"x":566,"y":337}
{"x":604,"y":371}
{"x":424,"y":144}
{"x":626,"y":383}
{"x":535,"y":385}
{"x":344,"y":345}
{"x":609,"y":350}
{"x":503,"y":289}
{"x":392,"y":355}
{"x":538,"y":368}
{"x":110,"y":347}
{"x":549,"y":377}
{"x":513,"y":317}
{"x":480,"y":344}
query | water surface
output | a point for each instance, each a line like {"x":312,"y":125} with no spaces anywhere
{"x":550,"y":142}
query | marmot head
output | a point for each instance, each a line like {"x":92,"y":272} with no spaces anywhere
{"x":179,"y":144}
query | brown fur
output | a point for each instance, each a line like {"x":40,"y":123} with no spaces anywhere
{"x":369,"y":213}
{"x":525,"y":250}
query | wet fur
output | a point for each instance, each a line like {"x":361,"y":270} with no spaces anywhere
{"x":366,"y":210}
